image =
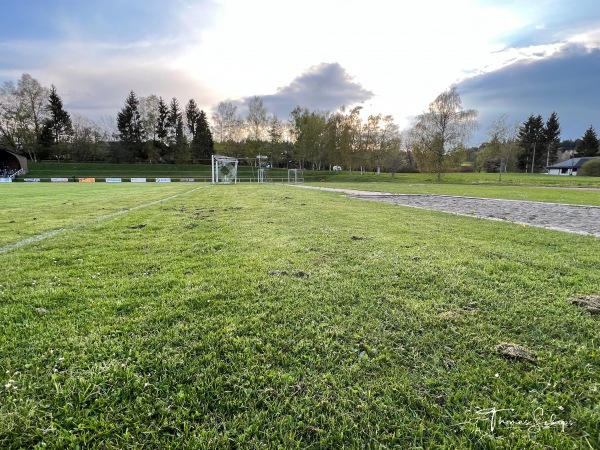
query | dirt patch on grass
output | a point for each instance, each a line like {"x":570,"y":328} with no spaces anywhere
{"x":591,"y":303}
{"x":515,"y":351}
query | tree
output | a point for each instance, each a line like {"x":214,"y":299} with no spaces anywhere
{"x":192,"y":114}
{"x":552,"y":138}
{"x":500,"y":153}
{"x":590,"y":168}
{"x":22,"y":111}
{"x":177,"y":145}
{"x":202,"y":142}
{"x":57,"y":129}
{"x":162,"y":131}
{"x":351,"y":138}
{"x":149,"y":113}
{"x":257,"y":118}
{"x":381,"y":136}
{"x":588,"y":146}
{"x":275,"y":132}
{"x":532,"y":140}
{"x":131,"y":129}
{"x":370,"y":131}
{"x":88,"y":141}
{"x":174,"y":119}
{"x":33,"y":97}
{"x":444,"y":127}
{"x":308,"y":129}
{"x":180,"y":147}
{"x":12,"y":117}
{"x":224,"y":118}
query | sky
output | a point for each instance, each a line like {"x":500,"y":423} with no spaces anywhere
{"x":509,"y":57}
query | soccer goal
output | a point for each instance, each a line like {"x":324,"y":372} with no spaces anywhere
{"x":295,"y":176}
{"x":224,"y":169}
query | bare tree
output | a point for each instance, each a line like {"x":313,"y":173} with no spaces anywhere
{"x":10,"y":115}
{"x":224,"y":121}
{"x":34,"y":97}
{"x":22,"y":111}
{"x":149,"y":112}
{"x":502,"y":150}
{"x":443,"y":128}
{"x":257,"y":118}
{"x":89,"y":141}
{"x":108,"y":127}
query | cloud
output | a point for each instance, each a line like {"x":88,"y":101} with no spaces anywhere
{"x":325,"y":87}
{"x":95,"y":93}
{"x":95,"y":53}
{"x":565,"y":82}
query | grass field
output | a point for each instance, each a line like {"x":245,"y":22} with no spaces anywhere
{"x":248,"y":316}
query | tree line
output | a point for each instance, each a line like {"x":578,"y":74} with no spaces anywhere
{"x":34,"y":122}
{"x":151,"y":130}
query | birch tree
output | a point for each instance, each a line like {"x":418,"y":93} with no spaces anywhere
{"x":444,"y":127}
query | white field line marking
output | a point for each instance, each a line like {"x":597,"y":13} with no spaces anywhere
{"x":49,"y":234}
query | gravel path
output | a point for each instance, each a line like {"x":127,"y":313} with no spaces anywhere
{"x":554,"y":216}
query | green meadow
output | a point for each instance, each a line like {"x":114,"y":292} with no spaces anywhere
{"x":187,"y":315}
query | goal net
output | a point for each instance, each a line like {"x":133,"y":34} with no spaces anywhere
{"x":224,"y":169}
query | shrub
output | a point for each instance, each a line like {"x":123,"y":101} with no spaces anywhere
{"x":591,"y":168}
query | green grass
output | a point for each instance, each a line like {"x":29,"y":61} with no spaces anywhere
{"x":272,"y":317}
{"x":32,"y":209}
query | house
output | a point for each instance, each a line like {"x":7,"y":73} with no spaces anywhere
{"x":568,"y":167}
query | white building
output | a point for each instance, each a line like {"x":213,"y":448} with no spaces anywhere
{"x":569,"y":167}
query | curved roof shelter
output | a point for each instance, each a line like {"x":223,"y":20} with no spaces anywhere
{"x":12,"y":163}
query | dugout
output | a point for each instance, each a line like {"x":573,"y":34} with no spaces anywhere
{"x":12,"y":164}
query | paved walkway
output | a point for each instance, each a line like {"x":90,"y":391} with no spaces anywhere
{"x":554,"y":216}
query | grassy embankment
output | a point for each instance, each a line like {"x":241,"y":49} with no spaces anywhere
{"x":267,"y":316}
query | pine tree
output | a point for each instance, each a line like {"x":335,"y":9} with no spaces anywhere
{"x":552,"y":138}
{"x":131,"y":129}
{"x":180,"y":147}
{"x":588,"y":145}
{"x":531,"y":139}
{"x":162,"y":122}
{"x":202,"y":143}
{"x":192,"y":112}
{"x":57,"y":128}
{"x":173,"y":119}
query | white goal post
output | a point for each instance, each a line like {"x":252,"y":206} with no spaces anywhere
{"x":224,"y":169}
{"x":295,"y":176}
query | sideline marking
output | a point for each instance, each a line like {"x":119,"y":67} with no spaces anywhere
{"x":49,"y":234}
